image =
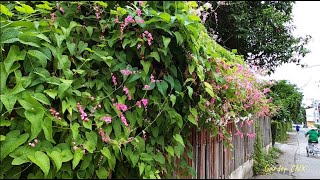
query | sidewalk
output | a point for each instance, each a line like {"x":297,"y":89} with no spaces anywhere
{"x":294,"y":163}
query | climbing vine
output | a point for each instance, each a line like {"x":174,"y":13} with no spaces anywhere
{"x":112,"y":89}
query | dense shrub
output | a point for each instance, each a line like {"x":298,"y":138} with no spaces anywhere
{"x":98,"y":89}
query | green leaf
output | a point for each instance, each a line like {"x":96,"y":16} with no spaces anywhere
{"x":57,"y":158}
{"x":134,"y":77}
{"x":2,"y":138}
{"x":210,"y":92}
{"x":42,"y":98}
{"x":41,"y":160}
{"x":190,"y":91}
{"x":179,"y":139}
{"x":173,"y":99}
{"x":19,"y":160}
{"x":162,"y":87}
{"x":25,"y":9}
{"x":192,"y":120}
{"x":106,"y":152}
{"x":12,"y":142}
{"x":92,"y":141}
{"x":165,"y":16}
{"x":178,"y":37}
{"x":78,"y":154}
{"x":166,"y":41}
{"x":36,"y":119}
{"x":51,"y":92}
{"x":75,"y":130}
{"x":44,"y":6}
{"x":170,"y":80}
{"x":9,"y":101}
{"x":66,"y":155}
{"x":14,"y":55}
{"x":62,"y":88}
{"x":4,"y":122}
{"x":5,"y":10}
{"x":134,"y":159}
{"x":71,"y":47}
{"x":59,"y":39}
{"x":141,"y":168}
{"x":160,"y":158}
{"x":86,"y":162}
{"x":102,"y":173}
{"x":44,"y":37}
{"x":47,"y":129}
{"x":170,"y":150}
{"x":146,"y":65}
{"x":90,"y":30}
{"x":194,"y":112}
{"x":87,"y":124}
{"x":155,"y":55}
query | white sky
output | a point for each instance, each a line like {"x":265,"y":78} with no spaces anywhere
{"x":306,"y":16}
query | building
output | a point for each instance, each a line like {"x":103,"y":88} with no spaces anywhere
{"x":313,"y":114}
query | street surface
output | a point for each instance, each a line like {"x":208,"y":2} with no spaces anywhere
{"x":294,"y":163}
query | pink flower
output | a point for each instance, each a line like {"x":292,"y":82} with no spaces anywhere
{"x":82,"y":113}
{"x":114,"y":80}
{"x":121,"y":107}
{"x":126,"y":90}
{"x":207,"y":103}
{"x":92,"y":98}
{"x":144,"y":102}
{"x":123,"y":119}
{"x":266,"y":90}
{"x":54,"y":113}
{"x":139,"y":104}
{"x":75,"y":147}
{"x":140,"y":3}
{"x":53,"y":16}
{"x":139,"y":12}
{"x":147,"y":87}
{"x":128,"y":20}
{"x":61,"y":9}
{"x":116,"y":20}
{"x":138,"y":46}
{"x":140,"y":21}
{"x":126,"y":72}
{"x":106,"y":119}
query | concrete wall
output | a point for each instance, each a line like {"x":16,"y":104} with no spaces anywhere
{"x":246,"y":170}
{"x":243,"y":172}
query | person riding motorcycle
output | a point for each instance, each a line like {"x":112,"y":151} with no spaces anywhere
{"x":313,"y":135}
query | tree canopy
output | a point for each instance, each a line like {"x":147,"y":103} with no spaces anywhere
{"x":261,"y":31}
{"x":288,"y":99}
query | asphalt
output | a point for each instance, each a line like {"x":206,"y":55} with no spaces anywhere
{"x":293,"y":163}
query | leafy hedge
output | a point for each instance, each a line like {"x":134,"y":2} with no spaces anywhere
{"x":279,"y":131}
{"x":112,"y":89}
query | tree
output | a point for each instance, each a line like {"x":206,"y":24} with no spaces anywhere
{"x":288,"y":99}
{"x":261,"y":31}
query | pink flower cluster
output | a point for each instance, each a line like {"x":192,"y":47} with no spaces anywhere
{"x":152,"y":79}
{"x":251,"y":135}
{"x":139,"y":12}
{"x":121,"y":107}
{"x":98,"y":12}
{"x":126,"y":72}
{"x":148,"y":35}
{"x":83,"y":114}
{"x":239,"y":134}
{"x":266,"y":90}
{"x":103,"y":136}
{"x":144,"y":102}
{"x":106,"y":119}
{"x":53,"y":16}
{"x":147,"y":87}
{"x":35,"y":142}
{"x":95,"y":108}
{"x":126,"y":91}
{"x":123,"y":119}
{"x":140,"y":3}
{"x":55,"y":113}
{"x":116,"y":20}
{"x":127,"y":20}
{"x":114,"y":80}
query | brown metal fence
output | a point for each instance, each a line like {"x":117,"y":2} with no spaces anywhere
{"x":211,"y":159}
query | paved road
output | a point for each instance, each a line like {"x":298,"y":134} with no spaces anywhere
{"x":294,"y":163}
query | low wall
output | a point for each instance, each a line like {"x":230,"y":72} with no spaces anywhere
{"x":245,"y":171}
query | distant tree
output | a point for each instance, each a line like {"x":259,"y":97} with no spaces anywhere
{"x":259,"y":30}
{"x":288,"y":99}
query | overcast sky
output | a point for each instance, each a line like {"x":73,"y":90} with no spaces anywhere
{"x":306,"y":19}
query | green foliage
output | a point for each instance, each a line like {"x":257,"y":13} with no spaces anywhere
{"x":279,"y":131}
{"x":288,"y":99}
{"x":262,"y":159}
{"x":261,"y":32}
{"x":96,"y":89}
